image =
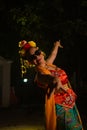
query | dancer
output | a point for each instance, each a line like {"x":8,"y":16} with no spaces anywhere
{"x":61,"y":112}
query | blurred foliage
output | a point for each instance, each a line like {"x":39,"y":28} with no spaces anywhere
{"x":47,"y":21}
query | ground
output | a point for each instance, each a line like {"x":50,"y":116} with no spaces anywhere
{"x":28,"y":118}
{"x":21,"y":118}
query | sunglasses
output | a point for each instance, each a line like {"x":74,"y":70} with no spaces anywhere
{"x":33,"y":57}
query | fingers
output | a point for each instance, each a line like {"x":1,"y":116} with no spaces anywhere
{"x":58,"y":43}
{"x":60,"y":46}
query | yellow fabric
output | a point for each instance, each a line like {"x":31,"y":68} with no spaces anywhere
{"x":50,"y":111}
{"x":43,"y":70}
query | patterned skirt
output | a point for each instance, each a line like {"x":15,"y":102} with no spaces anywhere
{"x":68,"y":119}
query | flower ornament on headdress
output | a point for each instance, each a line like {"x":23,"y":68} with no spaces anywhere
{"x":22,"y":43}
{"x":32,"y":43}
{"x":24,"y":46}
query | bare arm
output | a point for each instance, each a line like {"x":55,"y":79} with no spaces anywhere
{"x":54,"y":52}
{"x":45,"y":79}
{"x":48,"y":80}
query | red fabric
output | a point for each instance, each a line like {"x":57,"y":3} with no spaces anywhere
{"x":65,"y":99}
{"x":61,"y":74}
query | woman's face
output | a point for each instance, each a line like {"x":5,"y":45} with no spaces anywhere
{"x":36,"y":56}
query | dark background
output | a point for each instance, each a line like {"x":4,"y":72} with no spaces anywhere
{"x":45,"y":22}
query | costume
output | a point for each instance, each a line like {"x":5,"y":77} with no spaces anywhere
{"x":60,"y":108}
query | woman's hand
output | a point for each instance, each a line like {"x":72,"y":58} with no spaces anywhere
{"x":58,"y":44}
{"x":54,"y":52}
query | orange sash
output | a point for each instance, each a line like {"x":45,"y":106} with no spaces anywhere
{"x":50,"y":112}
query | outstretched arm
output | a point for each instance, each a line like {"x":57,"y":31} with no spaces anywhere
{"x":54,"y":52}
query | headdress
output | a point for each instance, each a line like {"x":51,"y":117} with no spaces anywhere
{"x":23,"y":47}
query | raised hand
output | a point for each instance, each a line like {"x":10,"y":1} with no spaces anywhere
{"x":58,"y":43}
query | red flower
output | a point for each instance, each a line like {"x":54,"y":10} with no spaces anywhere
{"x":26,"y":46}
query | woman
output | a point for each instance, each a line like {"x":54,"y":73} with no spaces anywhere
{"x":60,"y":109}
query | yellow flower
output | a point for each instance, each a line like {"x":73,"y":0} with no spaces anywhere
{"x":32,"y":43}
